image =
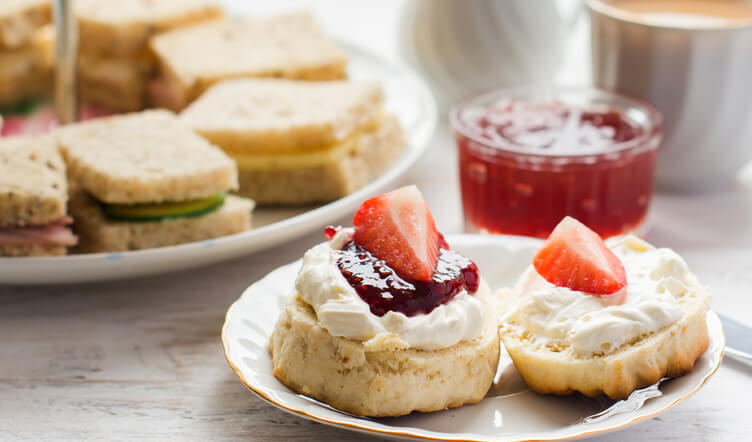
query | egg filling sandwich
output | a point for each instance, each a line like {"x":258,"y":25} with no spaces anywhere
{"x":299,"y":142}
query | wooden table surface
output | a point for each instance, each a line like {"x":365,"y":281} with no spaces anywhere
{"x":142,"y":360}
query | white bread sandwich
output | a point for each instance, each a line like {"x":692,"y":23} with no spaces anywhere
{"x":145,"y":180}
{"x":299,"y":142}
{"x":193,"y":58}
{"x":115,"y":63}
{"x":33,"y":198}
{"x":20,"y":19}
{"x":123,"y":28}
{"x":604,"y":318}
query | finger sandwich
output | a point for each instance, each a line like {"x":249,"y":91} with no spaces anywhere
{"x":193,"y":58}
{"x":33,"y":198}
{"x":299,"y":142}
{"x":145,"y":180}
{"x":26,"y":72}
{"x":20,"y":19}
{"x":115,"y":64}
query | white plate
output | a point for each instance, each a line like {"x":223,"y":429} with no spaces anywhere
{"x":510,"y":412}
{"x":407,"y":96}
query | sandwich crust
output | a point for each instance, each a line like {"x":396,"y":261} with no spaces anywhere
{"x":355,"y":379}
{"x":371,"y":156}
{"x":144,"y":157}
{"x":31,"y":250}
{"x":291,"y":46}
{"x":20,"y":19}
{"x":671,"y":351}
{"x":98,"y":234}
{"x":33,"y":185}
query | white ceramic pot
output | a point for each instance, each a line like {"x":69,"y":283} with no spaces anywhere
{"x":466,"y":46}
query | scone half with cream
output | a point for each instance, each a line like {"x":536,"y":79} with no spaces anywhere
{"x":604,"y":317}
{"x":386,"y":319}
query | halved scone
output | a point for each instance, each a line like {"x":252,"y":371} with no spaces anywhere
{"x":376,"y":379}
{"x":564,"y":341}
{"x":386,"y":319}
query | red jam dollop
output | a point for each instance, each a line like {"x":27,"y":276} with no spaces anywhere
{"x":525,"y":165}
{"x":384,"y":290}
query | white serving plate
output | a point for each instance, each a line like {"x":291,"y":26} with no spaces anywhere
{"x":509,"y":412}
{"x":407,"y":96}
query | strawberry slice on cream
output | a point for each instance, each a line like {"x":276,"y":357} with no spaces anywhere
{"x":575,"y":257}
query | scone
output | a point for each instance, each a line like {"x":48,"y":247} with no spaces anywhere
{"x":386,"y":319}
{"x":604,"y":318}
{"x":299,"y":142}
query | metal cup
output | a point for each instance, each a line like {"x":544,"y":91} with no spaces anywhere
{"x":698,"y":76}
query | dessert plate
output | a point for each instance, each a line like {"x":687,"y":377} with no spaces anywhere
{"x":407,"y":96}
{"x":509,"y":412}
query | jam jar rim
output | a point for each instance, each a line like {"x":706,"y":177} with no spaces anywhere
{"x":648,"y":140}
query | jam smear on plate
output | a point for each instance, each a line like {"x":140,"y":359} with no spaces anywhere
{"x":384,"y":290}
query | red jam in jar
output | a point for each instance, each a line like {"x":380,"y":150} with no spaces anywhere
{"x":526,"y":161}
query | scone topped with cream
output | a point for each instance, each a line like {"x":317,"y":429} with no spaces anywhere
{"x":604,"y":317}
{"x":386,"y":319}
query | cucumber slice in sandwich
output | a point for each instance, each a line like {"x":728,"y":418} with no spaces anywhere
{"x":161,"y":211}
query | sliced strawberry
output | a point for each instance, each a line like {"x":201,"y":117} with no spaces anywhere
{"x":574,"y":256}
{"x":398,"y":228}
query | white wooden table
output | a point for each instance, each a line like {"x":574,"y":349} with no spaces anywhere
{"x":142,"y":359}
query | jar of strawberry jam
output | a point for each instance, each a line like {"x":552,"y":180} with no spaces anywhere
{"x":528,"y":158}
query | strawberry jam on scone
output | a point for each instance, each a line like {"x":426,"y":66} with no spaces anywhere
{"x":388,"y":292}
{"x":603,"y":317}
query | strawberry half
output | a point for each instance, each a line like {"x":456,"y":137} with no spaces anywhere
{"x":574,"y":256}
{"x":398,"y":228}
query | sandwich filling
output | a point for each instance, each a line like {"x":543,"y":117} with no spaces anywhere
{"x":147,"y":212}
{"x":325,"y":154}
{"x":55,"y":233}
{"x":562,"y":319}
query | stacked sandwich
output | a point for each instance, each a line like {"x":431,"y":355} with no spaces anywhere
{"x":193,"y":58}
{"x":299,"y":142}
{"x":145,"y":180}
{"x":33,"y":198}
{"x":26,"y":53}
{"x":115,"y":65}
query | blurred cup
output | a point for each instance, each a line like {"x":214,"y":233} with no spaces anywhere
{"x":464,"y":46}
{"x":693,"y":60}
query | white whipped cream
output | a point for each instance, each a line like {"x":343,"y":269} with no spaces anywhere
{"x":558,"y":316}
{"x":341,"y":311}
